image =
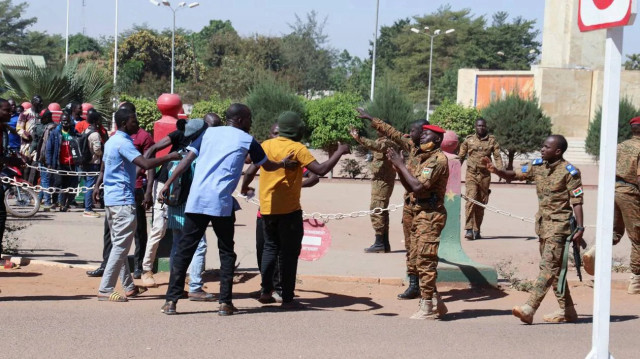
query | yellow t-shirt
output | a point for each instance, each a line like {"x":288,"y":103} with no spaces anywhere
{"x":280,"y":189}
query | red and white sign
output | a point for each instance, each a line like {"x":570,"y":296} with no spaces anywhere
{"x":603,"y":14}
{"x":316,"y":240}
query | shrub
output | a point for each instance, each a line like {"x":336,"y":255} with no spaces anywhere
{"x":627,"y":112}
{"x":351,"y":167}
{"x":391,"y":104}
{"x":518,"y":124}
{"x":215,"y":104}
{"x":267,"y":100}
{"x":455,"y":117}
{"x":330,"y":119}
{"x":146,"y":109}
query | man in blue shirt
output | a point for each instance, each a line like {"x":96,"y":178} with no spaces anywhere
{"x":118,"y":173}
{"x":221,"y":152}
{"x":14,"y":138}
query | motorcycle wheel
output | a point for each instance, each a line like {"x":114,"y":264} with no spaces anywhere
{"x":21,"y":202}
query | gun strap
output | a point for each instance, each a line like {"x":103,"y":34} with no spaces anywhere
{"x":562,"y":278}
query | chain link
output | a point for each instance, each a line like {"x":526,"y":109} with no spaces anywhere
{"x":497,"y":210}
{"x":38,"y":188}
{"x":62,"y":172}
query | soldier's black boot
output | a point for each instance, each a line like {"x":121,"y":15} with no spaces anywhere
{"x":385,"y":242}
{"x":413,"y":290}
{"x":469,"y":235}
{"x":377,"y":246}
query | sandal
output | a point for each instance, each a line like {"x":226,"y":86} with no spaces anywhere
{"x":113,"y":297}
{"x":135,"y":292}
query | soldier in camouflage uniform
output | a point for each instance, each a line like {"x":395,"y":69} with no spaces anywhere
{"x":382,"y":183}
{"x":426,"y":183}
{"x":559,"y":189}
{"x":627,"y":204}
{"x":411,"y":146}
{"x":477,"y":180}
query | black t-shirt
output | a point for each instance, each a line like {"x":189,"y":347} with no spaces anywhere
{"x":178,"y":142}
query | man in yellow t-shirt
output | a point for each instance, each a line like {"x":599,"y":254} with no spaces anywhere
{"x":280,"y":205}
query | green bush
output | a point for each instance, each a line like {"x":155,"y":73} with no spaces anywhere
{"x":146,"y":109}
{"x":455,"y":117}
{"x":518,"y":124}
{"x":330,"y":119}
{"x":267,"y":100}
{"x":391,"y":104}
{"x":351,"y":168}
{"x":627,"y":112}
{"x":215,"y":104}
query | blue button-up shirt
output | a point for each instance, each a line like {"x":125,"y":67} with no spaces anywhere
{"x":221,"y":152}
{"x":119,"y":170}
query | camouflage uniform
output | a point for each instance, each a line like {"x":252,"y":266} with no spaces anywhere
{"x":627,"y":203}
{"x":382,"y":183}
{"x":559,"y":187}
{"x":478,"y":178}
{"x":429,"y":216}
{"x":406,"y":145}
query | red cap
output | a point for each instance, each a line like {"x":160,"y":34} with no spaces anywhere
{"x":635,"y":121}
{"x":43,"y":111}
{"x":433,"y":128}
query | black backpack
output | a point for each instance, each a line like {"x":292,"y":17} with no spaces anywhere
{"x":179,"y":189}
{"x":85,"y":148}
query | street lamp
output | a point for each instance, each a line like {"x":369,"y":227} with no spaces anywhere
{"x":436,"y":33}
{"x":173,"y":30}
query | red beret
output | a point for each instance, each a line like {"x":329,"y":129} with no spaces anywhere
{"x":635,"y":121}
{"x":433,"y":128}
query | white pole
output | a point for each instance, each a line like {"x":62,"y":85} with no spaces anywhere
{"x":429,"y":86}
{"x":606,"y":194}
{"x":375,"y":43}
{"x":66,"y":41}
{"x":173,"y":44}
{"x":115,"y":49}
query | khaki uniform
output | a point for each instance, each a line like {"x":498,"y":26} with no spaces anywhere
{"x":382,"y":183}
{"x":477,"y":178}
{"x":406,"y":145}
{"x":627,"y":203}
{"x":559,"y":187}
{"x":429,"y":216}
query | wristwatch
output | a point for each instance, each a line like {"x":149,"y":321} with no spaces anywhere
{"x":580,"y":228}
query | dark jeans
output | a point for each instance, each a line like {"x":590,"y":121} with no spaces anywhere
{"x":140,"y":237}
{"x":3,"y":216}
{"x":277,"y":278}
{"x":63,"y":181}
{"x":194,"y":227}
{"x":283,"y":235}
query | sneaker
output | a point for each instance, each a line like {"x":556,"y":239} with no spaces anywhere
{"x":438,"y":303}
{"x":137,"y":274}
{"x":64,"y":209}
{"x":168,"y":308}
{"x":525,"y":313}
{"x":469,"y":235}
{"x":266,"y":298}
{"x":148,"y":280}
{"x":91,"y":214}
{"x":567,"y":315}
{"x":226,"y":309}
{"x":96,"y":273}
{"x":476,"y":235}
{"x":425,"y":310}
{"x":589,"y":260}
{"x":201,"y":296}
{"x":277,"y":297}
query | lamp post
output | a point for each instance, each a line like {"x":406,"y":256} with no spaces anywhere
{"x":66,"y":38}
{"x":375,"y":43}
{"x":173,"y":30}
{"x":435,"y":34}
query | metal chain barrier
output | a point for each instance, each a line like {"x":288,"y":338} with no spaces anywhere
{"x":39,"y":188}
{"x":62,"y":172}
{"x":497,"y":210}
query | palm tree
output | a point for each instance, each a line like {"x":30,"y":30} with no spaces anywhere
{"x":633,"y":62}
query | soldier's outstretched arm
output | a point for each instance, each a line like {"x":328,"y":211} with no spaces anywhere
{"x":388,"y":130}
{"x":502,"y":173}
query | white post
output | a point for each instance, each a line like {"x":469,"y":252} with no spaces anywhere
{"x":429,"y":86}
{"x":115,"y":49}
{"x":66,"y":41}
{"x":375,"y":43}
{"x":606,"y":194}
{"x":173,"y":44}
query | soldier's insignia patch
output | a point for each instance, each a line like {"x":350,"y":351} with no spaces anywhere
{"x":525,"y":169}
{"x":572,"y":170}
{"x":427,"y":171}
{"x":537,"y":162}
{"x":577,"y":192}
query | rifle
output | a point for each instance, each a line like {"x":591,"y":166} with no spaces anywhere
{"x":562,"y":278}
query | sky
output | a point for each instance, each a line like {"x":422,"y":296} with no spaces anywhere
{"x":350,"y":23}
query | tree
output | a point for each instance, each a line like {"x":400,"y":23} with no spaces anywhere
{"x":330,"y":118}
{"x":391,"y":104}
{"x":13,"y":26}
{"x":455,"y":117}
{"x":201,"y":40}
{"x":633,"y":62}
{"x":146,"y":111}
{"x":81,"y":43}
{"x":267,"y":100}
{"x":518,"y":124}
{"x":627,"y":112}
{"x":51,"y":47}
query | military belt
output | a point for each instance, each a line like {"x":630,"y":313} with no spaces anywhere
{"x":625,"y":183}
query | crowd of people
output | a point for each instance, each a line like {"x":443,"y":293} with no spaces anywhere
{"x":195,"y":183}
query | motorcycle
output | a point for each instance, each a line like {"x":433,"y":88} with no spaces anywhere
{"x":19,"y":201}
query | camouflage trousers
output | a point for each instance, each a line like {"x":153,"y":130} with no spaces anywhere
{"x":627,"y":215}
{"x":380,"y":194}
{"x":409,"y":246}
{"x":551,"y":251}
{"x":425,"y":233}
{"x":477,"y":188}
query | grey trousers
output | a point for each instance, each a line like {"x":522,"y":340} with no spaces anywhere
{"x":122,"y":222}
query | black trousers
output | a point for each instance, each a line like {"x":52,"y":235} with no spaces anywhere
{"x":283,"y":235}
{"x":140,"y":237}
{"x":194,"y":227}
{"x":3,"y":216}
{"x":277,"y":278}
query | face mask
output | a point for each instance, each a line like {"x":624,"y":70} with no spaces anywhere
{"x":425,"y":147}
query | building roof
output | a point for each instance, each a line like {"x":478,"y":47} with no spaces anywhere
{"x":13,"y":61}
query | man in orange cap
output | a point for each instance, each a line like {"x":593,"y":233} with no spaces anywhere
{"x":627,"y":205}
